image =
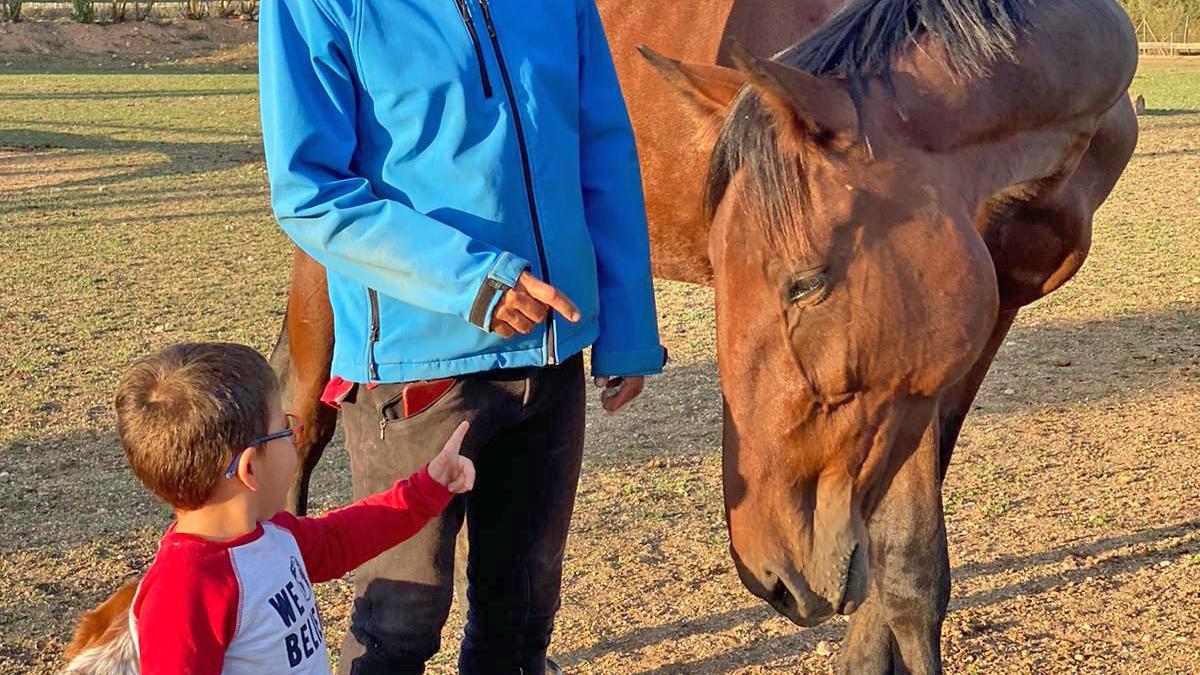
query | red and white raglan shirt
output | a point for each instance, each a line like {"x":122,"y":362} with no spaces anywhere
{"x":247,"y":605}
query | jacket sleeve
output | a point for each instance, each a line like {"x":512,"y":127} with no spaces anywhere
{"x":616,"y":212}
{"x":341,"y":540}
{"x":308,"y":95}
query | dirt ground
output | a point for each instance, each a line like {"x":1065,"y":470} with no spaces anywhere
{"x":133,"y":214}
{"x":129,"y":45}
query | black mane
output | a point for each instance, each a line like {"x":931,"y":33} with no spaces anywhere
{"x":862,"y":40}
{"x":865,"y":37}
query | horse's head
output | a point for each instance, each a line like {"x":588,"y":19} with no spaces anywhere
{"x":850,"y":293}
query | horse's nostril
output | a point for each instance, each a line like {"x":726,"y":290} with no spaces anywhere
{"x":847,"y":581}
{"x":783,"y":595}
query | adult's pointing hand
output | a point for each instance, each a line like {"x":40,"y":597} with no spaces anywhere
{"x":527,"y":304}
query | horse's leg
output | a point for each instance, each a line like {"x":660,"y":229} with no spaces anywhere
{"x":868,"y":644}
{"x":302,"y":357}
{"x":904,"y":574}
{"x":1038,"y":244}
{"x":956,"y":402}
{"x":898,"y":629}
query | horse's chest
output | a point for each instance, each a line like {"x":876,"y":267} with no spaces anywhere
{"x":1036,"y":246}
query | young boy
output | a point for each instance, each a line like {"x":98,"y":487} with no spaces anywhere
{"x":230,"y":590}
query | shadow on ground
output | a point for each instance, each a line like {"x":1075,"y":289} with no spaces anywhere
{"x":1169,"y":112}
{"x":1160,"y":543}
{"x":180,"y":157}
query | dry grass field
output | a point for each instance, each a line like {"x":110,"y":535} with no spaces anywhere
{"x":133,"y":213}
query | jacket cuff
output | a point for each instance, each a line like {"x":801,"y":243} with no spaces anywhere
{"x":616,"y":364}
{"x":503,"y":276}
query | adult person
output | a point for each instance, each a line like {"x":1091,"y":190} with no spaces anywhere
{"x":466,"y":172}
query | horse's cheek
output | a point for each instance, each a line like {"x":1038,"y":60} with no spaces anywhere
{"x":969,"y":297}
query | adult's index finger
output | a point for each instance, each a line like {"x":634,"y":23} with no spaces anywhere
{"x":556,"y":299}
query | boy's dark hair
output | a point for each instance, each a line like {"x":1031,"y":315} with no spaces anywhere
{"x":182,"y":413}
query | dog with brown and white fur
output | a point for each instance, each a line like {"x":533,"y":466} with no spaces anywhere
{"x":103,"y":643}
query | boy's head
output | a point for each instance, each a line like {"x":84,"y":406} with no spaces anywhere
{"x":185,"y":412}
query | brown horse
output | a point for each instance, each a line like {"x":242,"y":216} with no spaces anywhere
{"x":873,"y":206}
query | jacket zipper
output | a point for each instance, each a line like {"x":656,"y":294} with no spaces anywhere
{"x":464,"y":11}
{"x":373,"y":338}
{"x":551,"y":357}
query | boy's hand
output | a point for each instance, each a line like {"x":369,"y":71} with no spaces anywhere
{"x":449,"y":468}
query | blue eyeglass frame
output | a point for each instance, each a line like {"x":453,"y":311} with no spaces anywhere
{"x":295,"y":429}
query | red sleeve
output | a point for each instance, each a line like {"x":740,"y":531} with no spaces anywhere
{"x":341,"y":540}
{"x":186,"y":616}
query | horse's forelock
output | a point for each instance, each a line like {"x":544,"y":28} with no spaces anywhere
{"x":776,"y":193}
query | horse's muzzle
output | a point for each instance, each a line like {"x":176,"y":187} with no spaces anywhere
{"x":790,"y":594}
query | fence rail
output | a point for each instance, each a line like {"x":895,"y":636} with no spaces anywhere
{"x":1170,"y":48}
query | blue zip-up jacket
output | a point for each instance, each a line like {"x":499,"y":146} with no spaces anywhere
{"x":426,"y":152}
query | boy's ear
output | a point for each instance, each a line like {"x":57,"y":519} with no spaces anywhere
{"x":245,"y":468}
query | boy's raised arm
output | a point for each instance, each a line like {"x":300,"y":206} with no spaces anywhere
{"x":341,"y":540}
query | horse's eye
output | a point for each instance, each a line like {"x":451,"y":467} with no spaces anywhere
{"x":808,"y":288}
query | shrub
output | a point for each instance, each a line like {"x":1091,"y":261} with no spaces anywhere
{"x":1164,"y":20}
{"x":10,"y":10}
{"x":141,"y":9}
{"x":194,"y":9}
{"x":248,"y":9}
{"x":83,"y":11}
{"x":118,"y":9}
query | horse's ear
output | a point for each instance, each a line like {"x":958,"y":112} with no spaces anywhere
{"x":819,"y":108}
{"x":708,"y":89}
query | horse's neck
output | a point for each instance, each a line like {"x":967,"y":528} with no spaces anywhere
{"x":1026,"y":120}
{"x":767,"y":27}
{"x":701,"y":31}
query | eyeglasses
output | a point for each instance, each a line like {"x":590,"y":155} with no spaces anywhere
{"x":295,"y":430}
